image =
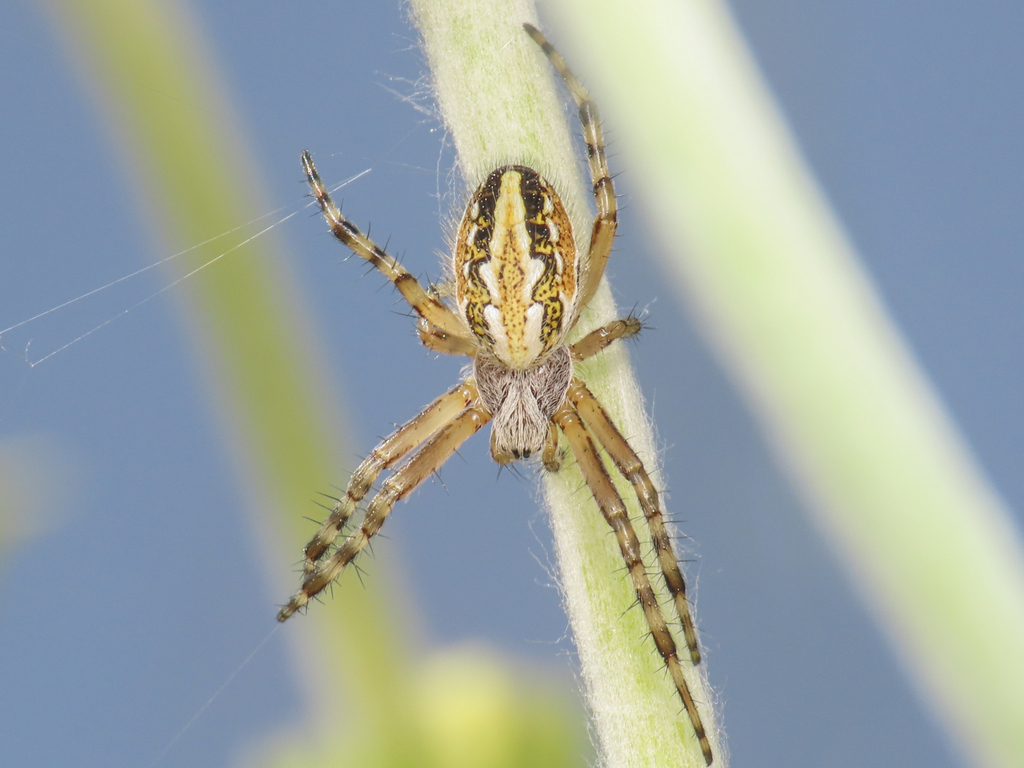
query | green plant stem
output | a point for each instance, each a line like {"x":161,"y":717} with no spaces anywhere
{"x":497,"y":97}
{"x":756,"y":251}
{"x":187,"y":160}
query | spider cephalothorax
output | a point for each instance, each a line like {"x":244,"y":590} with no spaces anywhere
{"x":520,"y":284}
{"x":522,"y":402}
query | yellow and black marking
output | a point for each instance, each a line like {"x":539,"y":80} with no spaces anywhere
{"x":516,"y":268}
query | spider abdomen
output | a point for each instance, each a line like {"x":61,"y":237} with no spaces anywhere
{"x":516,"y":267}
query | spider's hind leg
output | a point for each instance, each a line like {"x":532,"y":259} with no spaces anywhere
{"x":445,"y":343}
{"x":426,"y":303}
{"x":606,"y":222}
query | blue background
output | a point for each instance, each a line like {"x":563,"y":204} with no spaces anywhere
{"x":143,"y":590}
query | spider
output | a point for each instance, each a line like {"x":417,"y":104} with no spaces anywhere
{"x":520,"y":286}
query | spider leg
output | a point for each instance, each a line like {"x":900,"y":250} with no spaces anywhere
{"x":599,"y":338}
{"x":606,"y":222}
{"x":445,"y":343}
{"x":404,"y":481}
{"x":614,"y":510}
{"x":549,"y":457}
{"x":426,"y":305}
{"x":392,"y":450}
{"x":629,"y":464}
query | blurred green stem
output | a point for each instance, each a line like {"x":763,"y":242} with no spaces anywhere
{"x":187,"y":160}
{"x":757,"y":252}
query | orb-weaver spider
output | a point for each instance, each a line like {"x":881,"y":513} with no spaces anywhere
{"x":519,"y":288}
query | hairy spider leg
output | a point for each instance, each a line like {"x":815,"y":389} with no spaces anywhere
{"x":600,"y":338}
{"x":390,"y":451}
{"x":615,"y":513}
{"x":400,"y":484}
{"x":629,"y":464}
{"x":445,"y":343}
{"x":606,"y":222}
{"x":427,"y":306}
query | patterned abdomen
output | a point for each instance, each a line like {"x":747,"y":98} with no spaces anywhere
{"x":516,"y":268}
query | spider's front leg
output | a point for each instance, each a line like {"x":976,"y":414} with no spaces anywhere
{"x":404,"y":481}
{"x":388,"y":453}
{"x":629,"y":464}
{"x":615,"y":513}
{"x":584,"y":349}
